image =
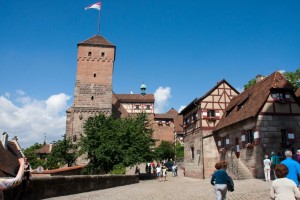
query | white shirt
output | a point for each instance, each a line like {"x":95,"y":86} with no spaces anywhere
{"x":284,"y":189}
{"x":267,"y":163}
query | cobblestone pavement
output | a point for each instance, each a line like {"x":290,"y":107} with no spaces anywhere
{"x":177,"y":188}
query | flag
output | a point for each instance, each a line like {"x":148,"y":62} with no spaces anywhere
{"x":95,"y":6}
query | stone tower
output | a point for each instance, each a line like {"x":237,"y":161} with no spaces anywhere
{"x":93,"y":88}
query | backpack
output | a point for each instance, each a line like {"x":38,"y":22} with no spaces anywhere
{"x":230,"y":184}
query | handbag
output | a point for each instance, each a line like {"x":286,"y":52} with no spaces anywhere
{"x":230,"y":184}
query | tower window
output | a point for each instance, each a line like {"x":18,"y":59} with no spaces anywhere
{"x":102,"y":54}
{"x":92,"y":98}
{"x":95,"y":75}
{"x":90,"y":53}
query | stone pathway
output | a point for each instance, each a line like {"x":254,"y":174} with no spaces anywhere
{"x":176,"y":188}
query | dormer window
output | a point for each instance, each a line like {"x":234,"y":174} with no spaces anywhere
{"x":241,"y":105}
{"x":280,"y":97}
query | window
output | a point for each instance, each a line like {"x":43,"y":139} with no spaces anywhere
{"x":223,"y":142}
{"x":284,"y":136}
{"x":241,"y":105}
{"x":148,"y":107}
{"x":92,"y":98}
{"x":89,"y":53}
{"x":74,"y":138}
{"x":249,"y":136}
{"x":192,"y":153}
{"x":102,"y":54}
{"x":211,"y":113}
{"x":137,"y":107}
{"x":95,"y":74}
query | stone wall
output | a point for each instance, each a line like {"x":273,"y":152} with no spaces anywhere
{"x":48,"y":187}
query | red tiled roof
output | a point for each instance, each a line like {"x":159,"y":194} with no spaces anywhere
{"x":256,"y":97}
{"x":45,"y":149}
{"x":136,"y":98}
{"x":8,"y":159}
{"x":96,"y":40}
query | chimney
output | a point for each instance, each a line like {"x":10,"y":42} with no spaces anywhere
{"x":4,"y":139}
{"x":259,"y":78}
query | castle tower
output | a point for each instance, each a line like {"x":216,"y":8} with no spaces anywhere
{"x":93,"y":88}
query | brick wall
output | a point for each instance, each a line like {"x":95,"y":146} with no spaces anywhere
{"x":48,"y":187}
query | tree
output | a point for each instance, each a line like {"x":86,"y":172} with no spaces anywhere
{"x":250,"y":84}
{"x":179,"y":150}
{"x":293,"y":78}
{"x":32,"y":156}
{"x":109,"y":142}
{"x":63,"y":153}
{"x":165,"y":150}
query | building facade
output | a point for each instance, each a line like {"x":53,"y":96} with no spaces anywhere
{"x":262,"y":119}
{"x":200,"y":117}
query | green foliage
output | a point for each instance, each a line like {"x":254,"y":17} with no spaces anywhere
{"x":293,"y":78}
{"x":63,"y":153}
{"x":109,"y":142}
{"x":32,"y":156}
{"x":179,"y":150}
{"x":165,"y":150}
{"x":119,"y":169}
{"x":250,"y":84}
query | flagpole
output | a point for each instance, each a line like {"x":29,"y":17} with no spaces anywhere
{"x":99,"y":23}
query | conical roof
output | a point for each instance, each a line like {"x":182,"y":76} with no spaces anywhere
{"x":96,"y":40}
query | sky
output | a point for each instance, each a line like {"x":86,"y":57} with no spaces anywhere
{"x":179,"y":49}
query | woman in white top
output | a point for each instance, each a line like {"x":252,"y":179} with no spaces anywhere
{"x":267,"y":167}
{"x":283,"y":188}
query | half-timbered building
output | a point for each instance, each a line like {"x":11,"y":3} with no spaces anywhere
{"x":262,"y":119}
{"x":200,"y":117}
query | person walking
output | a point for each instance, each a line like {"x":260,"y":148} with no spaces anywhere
{"x":283,"y":188}
{"x":219,"y":180}
{"x":274,"y":162}
{"x":267,"y":168}
{"x":164,"y":172}
{"x":293,"y":167}
{"x":158,"y":171}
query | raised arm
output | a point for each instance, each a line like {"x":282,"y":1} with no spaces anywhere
{"x":10,"y":182}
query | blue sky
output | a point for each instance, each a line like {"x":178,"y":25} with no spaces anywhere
{"x":180,"y":49}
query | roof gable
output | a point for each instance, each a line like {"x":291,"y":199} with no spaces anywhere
{"x":196,"y":101}
{"x":252,"y":100}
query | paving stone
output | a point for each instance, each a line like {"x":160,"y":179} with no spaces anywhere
{"x":177,"y":188}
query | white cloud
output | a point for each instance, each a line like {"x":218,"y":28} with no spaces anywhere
{"x":161,"y":95}
{"x":181,"y":108}
{"x":32,"y":118}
